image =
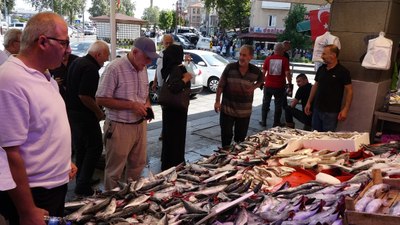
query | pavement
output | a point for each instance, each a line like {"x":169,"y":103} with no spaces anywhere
{"x":203,"y":133}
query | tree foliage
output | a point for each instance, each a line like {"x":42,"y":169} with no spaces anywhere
{"x":297,"y":40}
{"x":64,"y":8}
{"x":231,"y":13}
{"x":151,"y":14}
{"x":167,"y":20}
{"x":10,"y":5}
{"x":102,"y":7}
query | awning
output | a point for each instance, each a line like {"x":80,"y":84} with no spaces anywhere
{"x":258,"y":36}
{"x":303,"y":26}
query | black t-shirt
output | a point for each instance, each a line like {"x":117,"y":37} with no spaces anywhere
{"x":303,"y":93}
{"x":331,"y":87}
{"x":82,"y":79}
{"x":61,"y":72}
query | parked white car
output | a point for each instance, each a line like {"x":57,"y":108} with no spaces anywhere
{"x":196,"y":82}
{"x":211,"y":64}
{"x":17,"y":25}
{"x":203,"y":43}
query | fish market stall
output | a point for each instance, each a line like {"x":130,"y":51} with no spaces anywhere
{"x":270,"y":178}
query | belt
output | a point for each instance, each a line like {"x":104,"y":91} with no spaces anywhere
{"x":136,"y":122}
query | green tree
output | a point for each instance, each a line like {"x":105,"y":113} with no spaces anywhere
{"x":151,"y":14}
{"x":99,"y":8}
{"x":167,"y":20}
{"x":231,"y":13}
{"x":297,"y":40}
{"x":10,"y":5}
{"x":64,"y":8}
{"x":127,"y":7}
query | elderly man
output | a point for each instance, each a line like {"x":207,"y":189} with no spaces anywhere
{"x":237,"y":84}
{"x":276,"y":70}
{"x":332,"y":82}
{"x":35,"y":132}
{"x":84,"y":114}
{"x":12,"y":40}
{"x":124,"y":92}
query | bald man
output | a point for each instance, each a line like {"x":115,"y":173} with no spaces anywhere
{"x":84,"y":114}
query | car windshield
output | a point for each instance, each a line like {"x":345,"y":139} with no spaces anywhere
{"x":215,"y":60}
{"x":183,"y":39}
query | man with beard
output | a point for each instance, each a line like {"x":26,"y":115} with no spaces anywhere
{"x":237,"y":84}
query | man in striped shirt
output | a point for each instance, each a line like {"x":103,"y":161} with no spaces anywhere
{"x":237,"y":84}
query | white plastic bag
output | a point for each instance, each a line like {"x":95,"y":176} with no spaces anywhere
{"x":379,"y":53}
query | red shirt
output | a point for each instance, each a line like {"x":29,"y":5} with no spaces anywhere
{"x":275,"y":67}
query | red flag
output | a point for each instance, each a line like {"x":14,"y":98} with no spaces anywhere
{"x":319,"y":21}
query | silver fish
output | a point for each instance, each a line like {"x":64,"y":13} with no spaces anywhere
{"x":78,"y":214}
{"x":110,"y":209}
{"x":374,"y":205}
{"x":97,"y":207}
{"x":137,"y":201}
{"x":395,"y":209}
{"x":362,"y":203}
{"x":376,"y":190}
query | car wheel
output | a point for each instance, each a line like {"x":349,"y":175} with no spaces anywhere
{"x":212,"y":84}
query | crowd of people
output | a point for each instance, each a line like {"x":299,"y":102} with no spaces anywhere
{"x":53,"y":102}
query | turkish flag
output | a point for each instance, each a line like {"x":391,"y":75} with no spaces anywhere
{"x":319,"y":21}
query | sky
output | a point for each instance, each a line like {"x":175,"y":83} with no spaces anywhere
{"x":140,"y":5}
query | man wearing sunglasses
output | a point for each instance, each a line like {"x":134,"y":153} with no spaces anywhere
{"x":35,"y":132}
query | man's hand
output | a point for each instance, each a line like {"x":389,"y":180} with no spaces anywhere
{"x":100,"y":115}
{"x":342,"y":115}
{"x":187,"y":77}
{"x":73,"y":171}
{"x":139,"y":109}
{"x":58,"y":80}
{"x":217,"y":107}
{"x":307,"y":109}
{"x":35,"y":216}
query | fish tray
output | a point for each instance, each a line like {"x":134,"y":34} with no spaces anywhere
{"x":352,"y":143}
{"x":353,"y":217}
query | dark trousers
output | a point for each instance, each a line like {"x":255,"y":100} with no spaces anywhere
{"x":87,"y":143}
{"x":51,"y":200}
{"x":299,"y":115}
{"x":324,"y":121}
{"x":230,"y":123}
{"x":280,"y":96}
{"x":173,"y":136}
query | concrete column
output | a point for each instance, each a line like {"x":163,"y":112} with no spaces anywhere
{"x":355,"y":22}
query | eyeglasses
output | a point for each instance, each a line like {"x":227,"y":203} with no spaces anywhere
{"x":64,"y":43}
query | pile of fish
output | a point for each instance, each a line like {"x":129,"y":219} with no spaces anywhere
{"x":242,"y":185}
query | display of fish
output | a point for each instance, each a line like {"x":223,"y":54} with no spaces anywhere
{"x":255,"y":173}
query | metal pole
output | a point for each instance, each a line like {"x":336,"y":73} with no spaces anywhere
{"x":5,"y":10}
{"x":113,"y":30}
{"x":176,"y":18}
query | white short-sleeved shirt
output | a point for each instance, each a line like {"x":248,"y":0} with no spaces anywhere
{"x":6,"y":180}
{"x":34,"y":118}
{"x":121,"y":80}
{"x":160,"y":80}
